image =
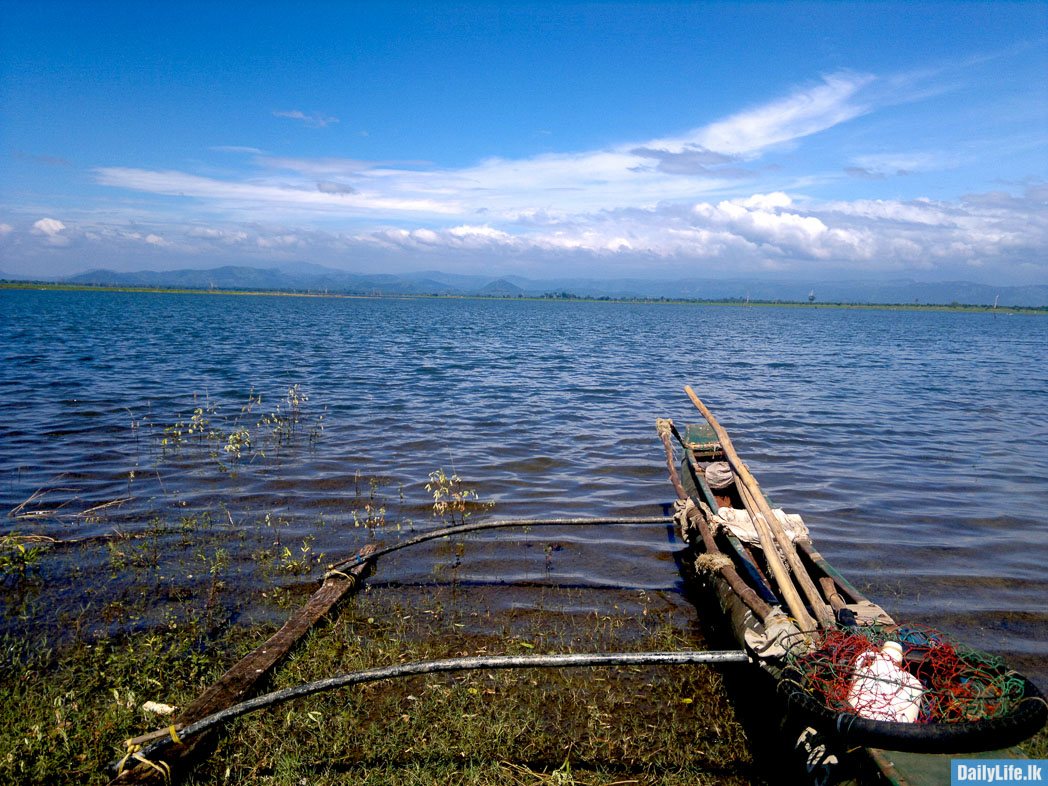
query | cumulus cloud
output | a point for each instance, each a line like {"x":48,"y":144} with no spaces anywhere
{"x":769,"y":231}
{"x":314,"y":120}
{"x":755,"y":233}
{"x":48,"y":226}
{"x":771,"y":201}
{"x":223,"y":235}
{"x":156,"y":240}
{"x":6,"y":229}
{"x":51,"y":229}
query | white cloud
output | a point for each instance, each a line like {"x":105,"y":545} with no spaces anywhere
{"x":692,"y":199}
{"x":316,"y":119}
{"x":767,"y":231}
{"x":156,"y":240}
{"x":766,"y":201}
{"x":918,"y":211}
{"x":905,"y":163}
{"x":51,"y":228}
{"x":484,"y":231}
{"x":758,"y":220}
{"x":637,"y":174}
{"x":250,"y":193}
{"x":804,"y":112}
{"x":6,"y":229}
{"x":48,"y":226}
{"x":992,"y":233}
{"x":281,"y":241}
{"x":323,"y":167}
{"x":223,"y":235}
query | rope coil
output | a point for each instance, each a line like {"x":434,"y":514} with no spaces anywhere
{"x":333,"y":573}
{"x":134,"y":752}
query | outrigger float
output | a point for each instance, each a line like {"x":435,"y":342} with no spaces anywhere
{"x":865,"y":698}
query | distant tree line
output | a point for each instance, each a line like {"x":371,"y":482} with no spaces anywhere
{"x":563,"y":295}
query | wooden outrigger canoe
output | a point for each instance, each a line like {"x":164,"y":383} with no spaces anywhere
{"x":780,"y":617}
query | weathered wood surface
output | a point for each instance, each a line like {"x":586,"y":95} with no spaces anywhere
{"x":758,"y":508}
{"x":842,"y":584}
{"x":240,"y":681}
{"x":664,"y":428}
{"x":697,"y":519}
{"x":766,"y":529}
{"x":738,"y":585}
{"x":830,"y":589}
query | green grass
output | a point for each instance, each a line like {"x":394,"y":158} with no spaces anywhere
{"x":63,"y":715}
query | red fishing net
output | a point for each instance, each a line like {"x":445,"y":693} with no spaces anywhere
{"x":903,"y":674}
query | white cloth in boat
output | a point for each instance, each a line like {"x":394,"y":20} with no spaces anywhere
{"x":739,"y":523}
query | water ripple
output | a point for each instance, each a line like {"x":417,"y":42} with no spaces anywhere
{"x":912,"y":442}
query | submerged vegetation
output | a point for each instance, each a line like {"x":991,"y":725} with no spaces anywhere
{"x":245,"y":436}
{"x":615,"y":724}
{"x":117,"y":610}
{"x":452,"y":502}
{"x":148,"y":607}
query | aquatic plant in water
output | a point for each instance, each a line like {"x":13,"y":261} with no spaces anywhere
{"x":451,"y":502}
{"x":228,"y":441}
{"x":17,"y":561}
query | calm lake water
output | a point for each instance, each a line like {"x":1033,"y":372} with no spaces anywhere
{"x":912,"y":443}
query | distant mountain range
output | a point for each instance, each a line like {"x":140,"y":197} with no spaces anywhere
{"x":306,"y":277}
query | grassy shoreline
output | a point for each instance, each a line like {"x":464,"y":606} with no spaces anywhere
{"x":17,"y":285}
{"x":64,"y":714}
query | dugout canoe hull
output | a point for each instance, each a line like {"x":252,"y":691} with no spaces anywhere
{"x":821,"y":755}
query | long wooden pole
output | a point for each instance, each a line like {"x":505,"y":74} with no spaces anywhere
{"x":822,"y":612}
{"x":738,"y":586}
{"x":768,"y":529}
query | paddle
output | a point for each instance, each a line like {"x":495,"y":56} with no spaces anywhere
{"x":769,"y":531}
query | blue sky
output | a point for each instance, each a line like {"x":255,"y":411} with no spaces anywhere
{"x":814,"y":140}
